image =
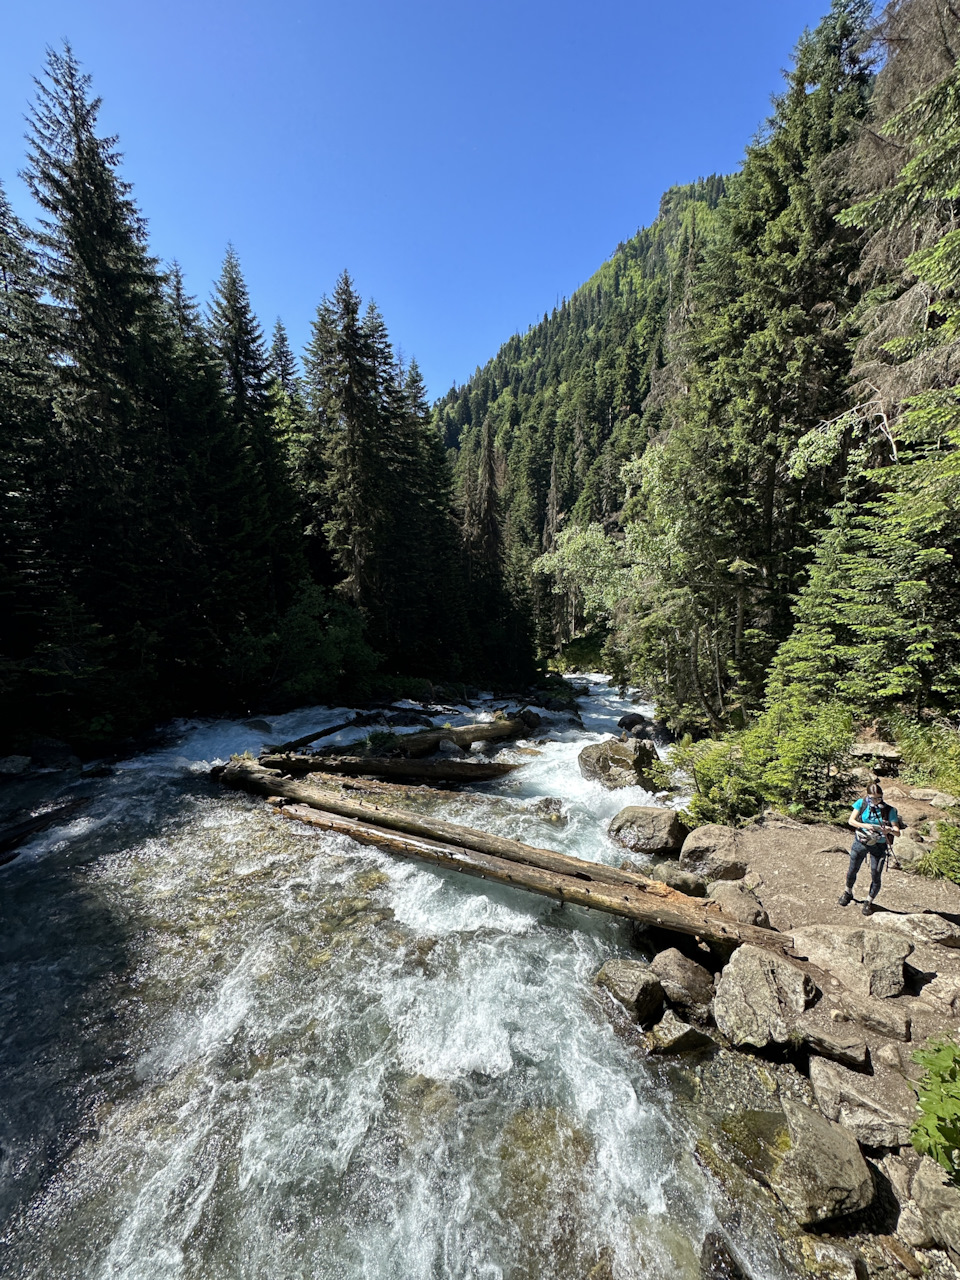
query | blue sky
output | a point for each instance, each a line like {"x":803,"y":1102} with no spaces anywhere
{"x":468,"y":163}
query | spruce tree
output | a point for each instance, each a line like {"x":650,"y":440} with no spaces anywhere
{"x":266,"y":500}
{"x":27,"y":578}
{"x":111,"y":398}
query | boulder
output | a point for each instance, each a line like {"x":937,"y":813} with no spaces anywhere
{"x":909,"y":849}
{"x":943,"y":800}
{"x":838,"y":1041}
{"x":685,"y":983}
{"x":713,"y":852}
{"x":13,"y":766}
{"x":739,"y":903}
{"x":883,"y":1017}
{"x":942,"y":994}
{"x":617,"y":764}
{"x":894,"y":1056}
{"x":884,"y":758}
{"x":878,"y":1110}
{"x":759,"y":997}
{"x":649,"y":829}
{"x":821,"y":1174}
{"x":635,"y":985}
{"x":634,"y":723}
{"x":868,"y":961}
{"x":919,"y":926}
{"x":550,"y":808}
{"x":938,"y":1203}
{"x":670,"y":1035}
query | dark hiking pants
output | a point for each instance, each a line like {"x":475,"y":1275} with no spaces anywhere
{"x":878,"y":854}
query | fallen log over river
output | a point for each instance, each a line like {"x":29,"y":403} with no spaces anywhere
{"x":392,"y":767}
{"x":477,"y":853}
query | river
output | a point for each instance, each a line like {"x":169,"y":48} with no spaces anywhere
{"x":234,"y":1047}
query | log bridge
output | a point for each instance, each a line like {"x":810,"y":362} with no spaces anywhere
{"x":318,"y":801}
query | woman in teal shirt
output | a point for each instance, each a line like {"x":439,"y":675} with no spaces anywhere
{"x":876,"y":824}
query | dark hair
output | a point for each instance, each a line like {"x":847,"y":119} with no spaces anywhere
{"x":874,"y":789}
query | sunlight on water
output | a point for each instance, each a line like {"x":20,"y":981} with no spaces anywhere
{"x":235,"y":1047}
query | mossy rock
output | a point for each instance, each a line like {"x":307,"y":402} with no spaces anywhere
{"x":367,"y":881}
{"x":759,"y":1138}
{"x":544,"y":1163}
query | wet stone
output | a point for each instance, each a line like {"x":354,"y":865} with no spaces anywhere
{"x":635,"y":985}
{"x":717,"y":1261}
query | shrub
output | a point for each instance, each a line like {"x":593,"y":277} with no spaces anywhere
{"x":943,"y":858}
{"x":789,"y":758}
{"x":937,"y":1132}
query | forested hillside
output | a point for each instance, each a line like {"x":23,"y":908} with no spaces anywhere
{"x":730,"y":459}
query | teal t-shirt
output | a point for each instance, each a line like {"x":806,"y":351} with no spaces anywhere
{"x":870,"y":813}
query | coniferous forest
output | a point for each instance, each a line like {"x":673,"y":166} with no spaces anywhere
{"x":725,"y":469}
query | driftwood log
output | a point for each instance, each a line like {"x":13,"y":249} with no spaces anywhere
{"x":391,"y":767}
{"x":477,"y":853}
{"x":425,"y":743}
{"x":296,"y":743}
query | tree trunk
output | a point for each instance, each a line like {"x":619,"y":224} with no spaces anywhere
{"x":417,"y":745}
{"x":558,"y":875}
{"x":392,"y":767}
{"x":653,"y":904}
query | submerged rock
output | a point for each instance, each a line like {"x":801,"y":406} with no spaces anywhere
{"x":649,"y":829}
{"x":759,"y":997}
{"x":13,"y":766}
{"x":717,"y":1261}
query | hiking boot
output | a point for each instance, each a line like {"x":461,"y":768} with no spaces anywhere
{"x":868,"y":908}
{"x":845,"y":898}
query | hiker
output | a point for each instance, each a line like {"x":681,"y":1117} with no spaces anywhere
{"x":876,"y":824}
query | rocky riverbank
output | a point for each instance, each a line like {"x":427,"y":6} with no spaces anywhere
{"x":799,"y":1069}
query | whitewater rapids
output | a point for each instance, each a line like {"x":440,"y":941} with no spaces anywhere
{"x":233,"y":1047}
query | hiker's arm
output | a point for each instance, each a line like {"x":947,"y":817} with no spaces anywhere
{"x":854,"y":821}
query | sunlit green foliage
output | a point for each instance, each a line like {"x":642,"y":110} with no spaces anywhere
{"x":937,"y":1132}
